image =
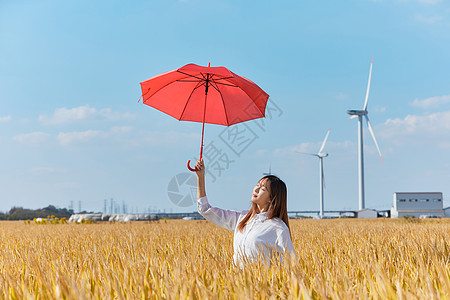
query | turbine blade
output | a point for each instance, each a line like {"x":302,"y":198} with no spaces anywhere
{"x":352,"y":117}
{"x":368,"y":85}
{"x":373,"y":136}
{"x":307,"y":153}
{"x":324,"y":141}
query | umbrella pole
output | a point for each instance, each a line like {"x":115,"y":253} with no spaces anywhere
{"x":204,"y":112}
{"x":203,"y":124}
{"x":203,"y":130}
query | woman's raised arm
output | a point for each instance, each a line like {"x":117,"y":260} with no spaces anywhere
{"x":224,"y":218}
{"x":200,"y":172}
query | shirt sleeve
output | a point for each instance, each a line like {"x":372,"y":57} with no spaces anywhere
{"x":224,"y":218}
{"x":284,"y":242}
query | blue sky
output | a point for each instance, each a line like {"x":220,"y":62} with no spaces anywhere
{"x":72,"y":129}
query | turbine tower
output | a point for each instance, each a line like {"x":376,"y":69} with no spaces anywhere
{"x":270,"y":171}
{"x":359,"y":114}
{"x":321,"y":155}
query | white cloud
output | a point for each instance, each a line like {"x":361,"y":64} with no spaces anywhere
{"x":121,"y":129}
{"x":170,"y":137}
{"x":380,"y":109}
{"x":312,"y":148}
{"x":303,"y":147}
{"x":341,"y":96}
{"x":69,"y":115}
{"x":432,"y":102}
{"x":47,"y":170}
{"x":261,"y":153}
{"x":429,"y":1}
{"x":445,"y":145}
{"x":418,"y":1}
{"x":117,"y":133}
{"x":5,"y":119}
{"x":68,"y":138}
{"x":415,"y":129}
{"x":127,"y":136}
{"x":33,"y":139}
{"x":428,"y":19}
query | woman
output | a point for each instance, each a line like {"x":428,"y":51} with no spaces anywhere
{"x":261,"y":230}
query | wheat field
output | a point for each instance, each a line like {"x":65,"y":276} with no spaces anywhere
{"x":177,"y":259}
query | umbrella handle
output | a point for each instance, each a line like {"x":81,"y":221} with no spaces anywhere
{"x":189,"y":167}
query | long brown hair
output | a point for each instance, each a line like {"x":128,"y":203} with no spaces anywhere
{"x":277,"y":206}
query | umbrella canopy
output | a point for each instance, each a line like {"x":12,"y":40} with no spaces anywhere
{"x":213,"y":95}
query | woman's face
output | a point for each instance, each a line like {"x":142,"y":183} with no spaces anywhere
{"x":261,"y":194}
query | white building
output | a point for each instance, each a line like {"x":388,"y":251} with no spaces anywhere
{"x":418,"y":205}
{"x":367,"y":214}
{"x":447,"y":212}
{"x":78,"y":218}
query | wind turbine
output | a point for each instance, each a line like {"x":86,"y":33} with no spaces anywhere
{"x":321,"y":155}
{"x":359,"y":114}
{"x":270,"y":171}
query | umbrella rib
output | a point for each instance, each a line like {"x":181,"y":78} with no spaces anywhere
{"x":252,"y":102}
{"x":207,"y":76}
{"x":232,"y":85}
{"x":221,"y":97}
{"x":263,"y":115}
{"x":220,"y":78}
{"x":216,"y":80}
{"x":199,"y":84}
{"x":212,"y":84}
{"x":199,"y":78}
{"x":187,"y":80}
{"x":223,"y":78}
{"x":148,"y":90}
{"x":224,"y":108}
{"x":143,"y":95}
{"x":217,"y":83}
{"x":203,"y":78}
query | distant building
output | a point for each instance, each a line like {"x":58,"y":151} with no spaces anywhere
{"x":447,"y":212}
{"x":367,"y":213}
{"x":417,"y":205}
{"x":79,"y":218}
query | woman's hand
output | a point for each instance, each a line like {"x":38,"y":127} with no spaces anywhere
{"x":200,"y":168}
{"x":200,"y":171}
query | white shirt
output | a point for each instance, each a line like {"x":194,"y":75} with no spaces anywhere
{"x":259,"y":236}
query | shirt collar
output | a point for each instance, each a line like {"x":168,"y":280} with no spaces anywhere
{"x":260,"y":217}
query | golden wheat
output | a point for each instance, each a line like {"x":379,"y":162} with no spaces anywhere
{"x":337,"y":259}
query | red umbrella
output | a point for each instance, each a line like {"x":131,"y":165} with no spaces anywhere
{"x":212,"y":95}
